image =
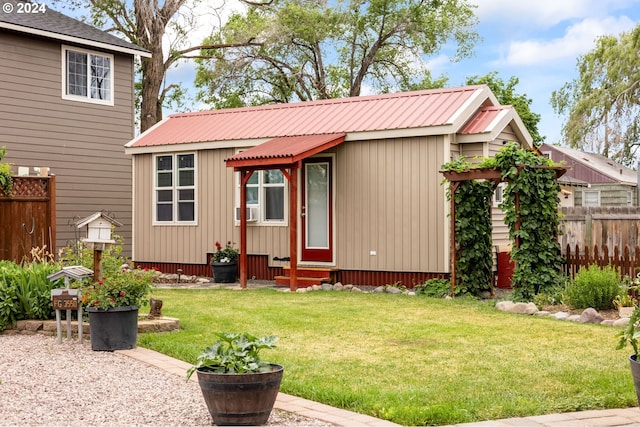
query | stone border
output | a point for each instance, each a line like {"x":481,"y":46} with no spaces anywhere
{"x":49,"y":328}
{"x":589,"y":315}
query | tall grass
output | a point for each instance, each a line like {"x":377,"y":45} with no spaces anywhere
{"x":411,"y":360}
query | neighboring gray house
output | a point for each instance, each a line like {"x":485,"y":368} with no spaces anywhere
{"x":594,"y":180}
{"x":67,"y":104}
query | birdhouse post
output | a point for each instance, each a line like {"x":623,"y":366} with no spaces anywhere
{"x":98,"y":236}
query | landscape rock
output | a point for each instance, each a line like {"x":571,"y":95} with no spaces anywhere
{"x":524,"y":308}
{"x":379,"y":290}
{"x":590,"y":315}
{"x":505,"y":305}
{"x":622,"y":322}
{"x":338,"y":287}
{"x":327,"y":287}
{"x":393,"y":290}
{"x":561,"y":315}
{"x":573,"y":318}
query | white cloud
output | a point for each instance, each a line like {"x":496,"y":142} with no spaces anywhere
{"x":545,"y":13}
{"x":577,"y":40}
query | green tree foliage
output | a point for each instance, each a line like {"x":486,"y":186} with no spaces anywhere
{"x":602,"y":104}
{"x":146,"y":24}
{"x":506,"y":94}
{"x":306,"y":50}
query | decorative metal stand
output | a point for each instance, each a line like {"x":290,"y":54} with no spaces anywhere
{"x":68,"y":299}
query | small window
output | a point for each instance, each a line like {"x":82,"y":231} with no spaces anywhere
{"x":87,"y":76}
{"x":629,"y":198}
{"x":175,"y":195}
{"x":498,"y":194}
{"x":266,"y":195}
{"x":590,"y":198}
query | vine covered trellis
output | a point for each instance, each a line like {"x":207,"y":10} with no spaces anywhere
{"x":530,"y":201}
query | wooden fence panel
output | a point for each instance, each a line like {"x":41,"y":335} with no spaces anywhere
{"x":627,"y":261}
{"x":28,"y":217}
{"x":611,"y":226}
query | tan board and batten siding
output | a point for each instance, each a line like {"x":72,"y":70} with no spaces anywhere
{"x":399,"y":169}
{"x":82,"y":143}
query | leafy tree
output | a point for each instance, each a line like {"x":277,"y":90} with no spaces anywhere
{"x":506,"y":94}
{"x":306,"y":50}
{"x":602,"y":104}
{"x":145,"y":23}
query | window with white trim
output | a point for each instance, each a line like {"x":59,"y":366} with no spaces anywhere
{"x":174,"y":188}
{"x":629,"y":198}
{"x":590,"y":197}
{"x":266,"y":202}
{"x":498,"y":194}
{"x":87,"y":75}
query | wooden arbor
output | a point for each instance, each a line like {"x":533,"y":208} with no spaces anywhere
{"x":455,"y":178}
{"x":286,"y":154}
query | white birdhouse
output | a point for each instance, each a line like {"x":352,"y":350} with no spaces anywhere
{"x":98,"y":228}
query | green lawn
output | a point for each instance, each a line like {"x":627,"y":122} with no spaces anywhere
{"x":411,"y":360}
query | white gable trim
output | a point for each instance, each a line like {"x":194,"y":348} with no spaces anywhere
{"x":71,"y":39}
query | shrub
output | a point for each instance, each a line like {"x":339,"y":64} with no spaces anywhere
{"x":436,"y":288}
{"x":25,"y":291}
{"x":593,"y":287}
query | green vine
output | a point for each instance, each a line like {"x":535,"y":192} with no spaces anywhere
{"x":537,"y":253}
{"x":6,"y":182}
{"x":473,"y":236}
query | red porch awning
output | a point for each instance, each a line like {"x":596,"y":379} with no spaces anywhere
{"x":284,"y":151}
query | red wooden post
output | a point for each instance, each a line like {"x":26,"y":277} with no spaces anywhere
{"x":244,"y":178}
{"x":293,"y":227}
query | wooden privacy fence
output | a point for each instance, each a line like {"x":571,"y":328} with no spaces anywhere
{"x":611,"y":226}
{"x":28,"y":217}
{"x":577,"y":258}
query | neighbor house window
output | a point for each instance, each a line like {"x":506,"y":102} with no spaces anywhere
{"x":590,"y":198}
{"x":265,"y":197}
{"x":498,"y":194}
{"x":174,"y":189}
{"x":87,"y":76}
{"x":629,"y":198}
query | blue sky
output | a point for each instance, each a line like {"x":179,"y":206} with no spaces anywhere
{"x":539,"y":42}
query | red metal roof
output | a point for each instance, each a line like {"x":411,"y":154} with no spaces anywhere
{"x":358,"y":114}
{"x":285,"y":150}
{"x":482,"y":120}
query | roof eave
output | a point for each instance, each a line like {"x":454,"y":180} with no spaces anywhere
{"x":71,"y":39}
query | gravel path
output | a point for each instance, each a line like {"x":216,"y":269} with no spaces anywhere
{"x":46,"y":383}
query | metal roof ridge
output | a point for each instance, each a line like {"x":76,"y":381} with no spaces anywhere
{"x":332,"y":101}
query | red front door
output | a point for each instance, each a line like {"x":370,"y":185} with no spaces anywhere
{"x":317,"y":212}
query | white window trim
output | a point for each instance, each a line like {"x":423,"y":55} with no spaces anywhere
{"x":87,"y":98}
{"x":261,"y":221}
{"x":175,"y":189}
{"x":498,"y":194}
{"x":584,"y":197}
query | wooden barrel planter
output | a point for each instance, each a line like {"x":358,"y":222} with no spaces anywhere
{"x":240,"y":399}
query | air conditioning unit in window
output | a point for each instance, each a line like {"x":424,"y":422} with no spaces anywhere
{"x":252,"y":214}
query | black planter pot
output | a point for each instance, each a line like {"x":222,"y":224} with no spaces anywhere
{"x":635,"y":373}
{"x":113,"y":329}
{"x":240,"y":399}
{"x":224,"y":272}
